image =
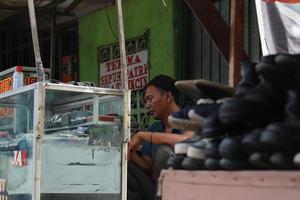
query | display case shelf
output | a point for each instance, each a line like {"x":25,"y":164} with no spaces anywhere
{"x":82,"y":125}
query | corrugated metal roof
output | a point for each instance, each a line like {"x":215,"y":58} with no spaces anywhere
{"x":65,"y":9}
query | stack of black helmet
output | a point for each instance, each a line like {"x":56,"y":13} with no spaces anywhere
{"x":258,"y":127}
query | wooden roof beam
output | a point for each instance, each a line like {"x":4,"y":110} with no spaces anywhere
{"x":236,"y":41}
{"x":212,"y":21}
{"x":229,"y":43}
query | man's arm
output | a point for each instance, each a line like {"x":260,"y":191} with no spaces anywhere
{"x":170,"y":138}
{"x":144,"y":162}
{"x":158,"y":138}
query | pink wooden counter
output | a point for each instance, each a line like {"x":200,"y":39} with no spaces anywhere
{"x":230,"y":185}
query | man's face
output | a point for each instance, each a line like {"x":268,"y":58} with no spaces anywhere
{"x":155,"y":101}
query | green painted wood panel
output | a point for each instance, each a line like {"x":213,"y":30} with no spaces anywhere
{"x":225,"y":12}
{"x":206,"y":56}
{"x":196,"y":49}
{"x":255,"y":51}
{"x":139,"y":16}
{"x":206,"y":62}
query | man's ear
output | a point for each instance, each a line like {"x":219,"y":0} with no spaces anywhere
{"x":169,"y":96}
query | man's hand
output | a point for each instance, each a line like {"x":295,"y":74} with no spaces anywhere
{"x":135,"y":142}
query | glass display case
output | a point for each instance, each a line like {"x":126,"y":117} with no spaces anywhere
{"x":60,"y":141}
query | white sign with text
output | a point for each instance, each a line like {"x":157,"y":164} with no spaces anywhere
{"x":137,"y":72}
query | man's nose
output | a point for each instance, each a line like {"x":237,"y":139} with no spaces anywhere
{"x":147,"y":105}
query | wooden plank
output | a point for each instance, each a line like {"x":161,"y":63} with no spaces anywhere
{"x":53,"y":44}
{"x":53,"y":4}
{"x":255,"y":48}
{"x":206,"y":56}
{"x":224,"y":68}
{"x":264,"y":48}
{"x":35,"y":41}
{"x":122,"y":44}
{"x":215,"y":65}
{"x":215,"y":57}
{"x":196,"y":49}
{"x":236,"y":41}
{"x":247,"y":16}
{"x":126,"y":119}
{"x":72,"y":5}
{"x":212,"y":21}
{"x":182,"y":18}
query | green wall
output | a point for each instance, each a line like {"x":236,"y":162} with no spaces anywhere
{"x":139,"y":16}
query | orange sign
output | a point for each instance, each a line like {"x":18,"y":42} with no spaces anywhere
{"x":5,"y":86}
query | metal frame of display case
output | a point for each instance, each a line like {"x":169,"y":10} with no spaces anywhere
{"x":26,"y":69}
{"x":39,"y":105}
{"x":39,"y":118}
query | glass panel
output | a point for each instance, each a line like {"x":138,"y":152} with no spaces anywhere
{"x":16,"y":146}
{"x":81,"y":148}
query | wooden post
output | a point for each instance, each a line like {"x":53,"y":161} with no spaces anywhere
{"x":35,"y":41}
{"x":53,"y":43}
{"x":236,"y":51}
{"x":126,"y":120}
{"x":122,"y":44}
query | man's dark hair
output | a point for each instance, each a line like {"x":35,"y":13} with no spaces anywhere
{"x":164,"y":83}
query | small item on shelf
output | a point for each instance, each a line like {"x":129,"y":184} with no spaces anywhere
{"x":110,"y":118}
{"x":54,"y":121}
{"x":103,"y":135}
{"x":65,"y":119}
{"x":79,"y":117}
{"x":84,"y":83}
{"x":18,"y":78}
{"x":4,"y":133}
{"x":82,"y":131}
{"x":68,"y":118}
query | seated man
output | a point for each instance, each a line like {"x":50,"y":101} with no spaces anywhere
{"x":159,"y":97}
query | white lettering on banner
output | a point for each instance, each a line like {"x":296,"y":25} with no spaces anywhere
{"x":20,"y":158}
{"x":3,"y":197}
{"x":137,"y":72}
{"x":2,"y":185}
